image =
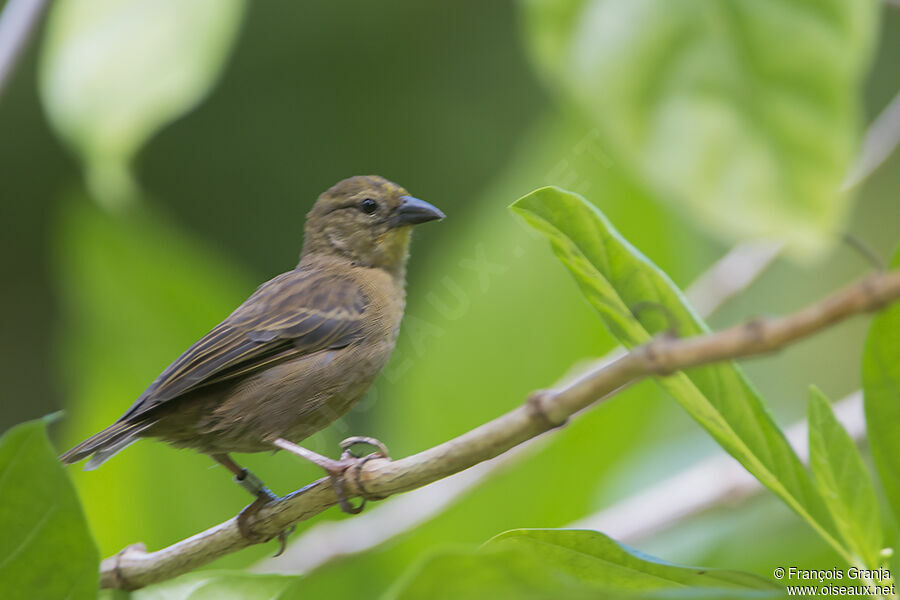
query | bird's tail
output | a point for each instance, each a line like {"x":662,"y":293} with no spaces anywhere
{"x":104,"y":444}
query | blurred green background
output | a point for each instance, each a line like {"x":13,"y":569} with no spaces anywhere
{"x":449,"y":101}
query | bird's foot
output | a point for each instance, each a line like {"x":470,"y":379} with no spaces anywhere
{"x":336,"y":469}
{"x":246,"y":517}
{"x":351,"y":460}
{"x":254,"y":485}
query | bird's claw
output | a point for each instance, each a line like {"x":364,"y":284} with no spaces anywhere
{"x":245,"y":522}
{"x":337,"y":482}
{"x":282,"y":540}
{"x":348,"y":443}
{"x":349,"y":460}
{"x":244,"y":518}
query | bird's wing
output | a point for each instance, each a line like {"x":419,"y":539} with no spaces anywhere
{"x":295,"y":314}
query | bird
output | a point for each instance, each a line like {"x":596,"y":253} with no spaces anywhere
{"x":298,"y":353}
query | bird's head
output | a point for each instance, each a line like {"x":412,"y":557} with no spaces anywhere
{"x":366,"y":219}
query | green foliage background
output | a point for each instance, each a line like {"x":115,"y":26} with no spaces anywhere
{"x":469,"y":105}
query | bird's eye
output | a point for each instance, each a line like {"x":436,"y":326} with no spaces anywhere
{"x":368,"y":206}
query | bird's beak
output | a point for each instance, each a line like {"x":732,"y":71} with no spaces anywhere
{"x":413,"y":211}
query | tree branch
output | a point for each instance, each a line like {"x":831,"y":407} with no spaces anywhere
{"x":544,"y":410}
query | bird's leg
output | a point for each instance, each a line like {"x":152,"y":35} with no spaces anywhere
{"x":244,"y":478}
{"x":334,"y":468}
{"x":254,"y":485}
{"x":337,"y":468}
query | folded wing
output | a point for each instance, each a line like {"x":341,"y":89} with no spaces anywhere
{"x":295,"y":314}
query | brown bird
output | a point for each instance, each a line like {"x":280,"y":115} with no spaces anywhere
{"x":298,"y":353}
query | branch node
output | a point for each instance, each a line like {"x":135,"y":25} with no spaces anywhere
{"x":653,"y":356}
{"x":872,"y":289}
{"x":119,"y":579}
{"x":756,"y":330}
{"x":536,"y":404}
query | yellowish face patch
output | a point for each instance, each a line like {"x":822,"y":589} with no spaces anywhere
{"x":393,"y":244}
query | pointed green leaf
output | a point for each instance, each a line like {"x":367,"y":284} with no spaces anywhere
{"x":844,"y":482}
{"x":617,"y":278}
{"x":700,"y":100}
{"x":556,"y":563}
{"x":46,"y":550}
{"x":881,"y":389}
{"x":591,"y":556}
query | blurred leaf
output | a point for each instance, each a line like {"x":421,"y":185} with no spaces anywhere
{"x":844,"y":482}
{"x":572,"y":564}
{"x":215,"y":585}
{"x":616,"y":277}
{"x":46,"y":550}
{"x":700,"y":99}
{"x":114,"y":72}
{"x":881,"y":390}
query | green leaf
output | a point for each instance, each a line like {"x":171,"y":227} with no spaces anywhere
{"x":616,"y":277}
{"x":700,"y":100}
{"x":881,"y":390}
{"x":218,"y":585}
{"x":590,"y":556}
{"x":546,"y":563}
{"x":46,"y":550}
{"x":844,"y":482}
{"x":114,"y":72}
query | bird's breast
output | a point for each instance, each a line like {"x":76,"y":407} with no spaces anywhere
{"x":386,"y":302}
